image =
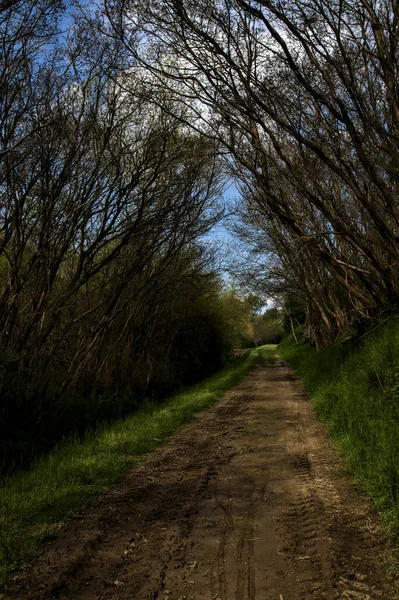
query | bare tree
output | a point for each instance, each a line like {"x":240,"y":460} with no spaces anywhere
{"x":303,"y":96}
{"x":101,"y":192}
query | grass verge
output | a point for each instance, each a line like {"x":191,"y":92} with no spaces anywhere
{"x":355,"y":391}
{"x":33,"y":504}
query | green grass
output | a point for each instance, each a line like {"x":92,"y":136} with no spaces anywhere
{"x":355,"y":391}
{"x":34,"y":503}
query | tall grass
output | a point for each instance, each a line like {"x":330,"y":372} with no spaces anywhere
{"x":355,"y":390}
{"x":33,"y":503}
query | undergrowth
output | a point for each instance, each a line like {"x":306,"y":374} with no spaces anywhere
{"x":33,"y":504}
{"x":355,"y":391}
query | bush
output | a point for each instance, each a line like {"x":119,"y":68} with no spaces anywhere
{"x":268,"y":327}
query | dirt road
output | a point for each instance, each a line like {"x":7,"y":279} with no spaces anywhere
{"x":247,"y":502}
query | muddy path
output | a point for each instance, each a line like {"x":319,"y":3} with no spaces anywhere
{"x":246,"y":502}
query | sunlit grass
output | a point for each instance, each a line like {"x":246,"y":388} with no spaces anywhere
{"x":34,"y":503}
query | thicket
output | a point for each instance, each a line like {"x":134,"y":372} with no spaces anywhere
{"x":355,"y":390}
{"x":108,"y":293}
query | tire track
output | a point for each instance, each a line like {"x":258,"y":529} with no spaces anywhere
{"x":352,"y":547}
{"x":220,"y":568}
{"x":245,"y":581}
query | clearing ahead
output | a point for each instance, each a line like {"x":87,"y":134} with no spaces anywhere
{"x":246,"y":502}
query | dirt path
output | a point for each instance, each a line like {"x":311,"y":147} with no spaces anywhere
{"x":245,"y":503}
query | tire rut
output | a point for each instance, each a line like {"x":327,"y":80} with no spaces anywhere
{"x":325,"y":496}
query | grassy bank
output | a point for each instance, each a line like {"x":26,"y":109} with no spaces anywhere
{"x":355,"y":390}
{"x":34,"y":503}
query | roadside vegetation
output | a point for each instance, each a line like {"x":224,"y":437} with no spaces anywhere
{"x":355,"y":390}
{"x":35,"y":503}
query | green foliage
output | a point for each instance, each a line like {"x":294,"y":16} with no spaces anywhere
{"x":236,"y":314}
{"x":268,"y":327}
{"x":355,"y":390}
{"x":246,"y":326}
{"x":293,"y":315}
{"x":34,"y":503}
{"x":255,"y":304}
